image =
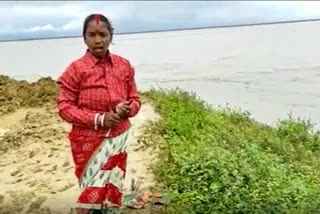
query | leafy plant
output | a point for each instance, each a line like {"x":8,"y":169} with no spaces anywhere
{"x":223,"y":161}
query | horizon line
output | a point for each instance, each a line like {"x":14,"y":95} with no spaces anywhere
{"x":168,"y":30}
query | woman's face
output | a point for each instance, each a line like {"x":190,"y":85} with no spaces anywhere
{"x":98,"y":38}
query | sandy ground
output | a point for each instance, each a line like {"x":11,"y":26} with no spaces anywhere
{"x":36,"y":168}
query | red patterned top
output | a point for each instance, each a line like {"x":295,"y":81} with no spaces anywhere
{"x":91,"y":86}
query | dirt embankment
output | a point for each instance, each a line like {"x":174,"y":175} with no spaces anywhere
{"x":36,"y":166}
{"x":16,"y":94}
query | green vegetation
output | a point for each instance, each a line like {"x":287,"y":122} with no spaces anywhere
{"x":220,"y":161}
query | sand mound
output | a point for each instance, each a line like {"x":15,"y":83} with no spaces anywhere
{"x":16,"y":94}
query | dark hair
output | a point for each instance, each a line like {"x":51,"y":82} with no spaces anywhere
{"x":102,"y":18}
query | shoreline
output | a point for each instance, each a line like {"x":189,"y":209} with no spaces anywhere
{"x":176,"y":138}
{"x":45,"y":86}
{"x":258,"y":69}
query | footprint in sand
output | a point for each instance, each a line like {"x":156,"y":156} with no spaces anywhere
{"x":14,"y":173}
{"x":32,"y":183}
{"x":37,"y":170}
{"x":46,"y":164}
{"x":66,"y":163}
{"x":42,"y":186}
{"x":52,"y":170}
{"x":32,"y":154}
{"x":48,"y":141}
{"x":66,"y":187}
{"x":17,"y":181}
{"x":51,"y":154}
{"x":68,"y":169}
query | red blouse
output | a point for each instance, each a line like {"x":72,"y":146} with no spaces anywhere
{"x":90,"y":86}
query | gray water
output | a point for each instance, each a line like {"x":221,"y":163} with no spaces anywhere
{"x":269,"y":70}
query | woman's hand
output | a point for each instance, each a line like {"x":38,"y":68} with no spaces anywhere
{"x":123,"y":109}
{"x":111,"y":120}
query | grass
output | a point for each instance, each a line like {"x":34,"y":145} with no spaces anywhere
{"x":222,"y":161}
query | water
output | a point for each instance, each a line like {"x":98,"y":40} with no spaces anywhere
{"x":269,"y":70}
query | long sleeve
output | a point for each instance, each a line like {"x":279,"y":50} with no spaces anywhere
{"x":133,"y":94}
{"x":69,"y":85}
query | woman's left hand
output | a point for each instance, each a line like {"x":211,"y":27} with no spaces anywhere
{"x":123,"y":109}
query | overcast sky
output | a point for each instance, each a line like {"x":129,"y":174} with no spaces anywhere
{"x":19,"y":19}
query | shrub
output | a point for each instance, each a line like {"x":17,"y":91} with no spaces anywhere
{"x":222,"y":161}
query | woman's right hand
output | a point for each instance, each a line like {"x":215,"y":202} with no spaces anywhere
{"x":111,"y":120}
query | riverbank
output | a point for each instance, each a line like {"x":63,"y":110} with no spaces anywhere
{"x":209,"y":159}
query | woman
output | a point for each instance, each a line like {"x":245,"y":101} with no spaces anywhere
{"x":98,"y":95}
